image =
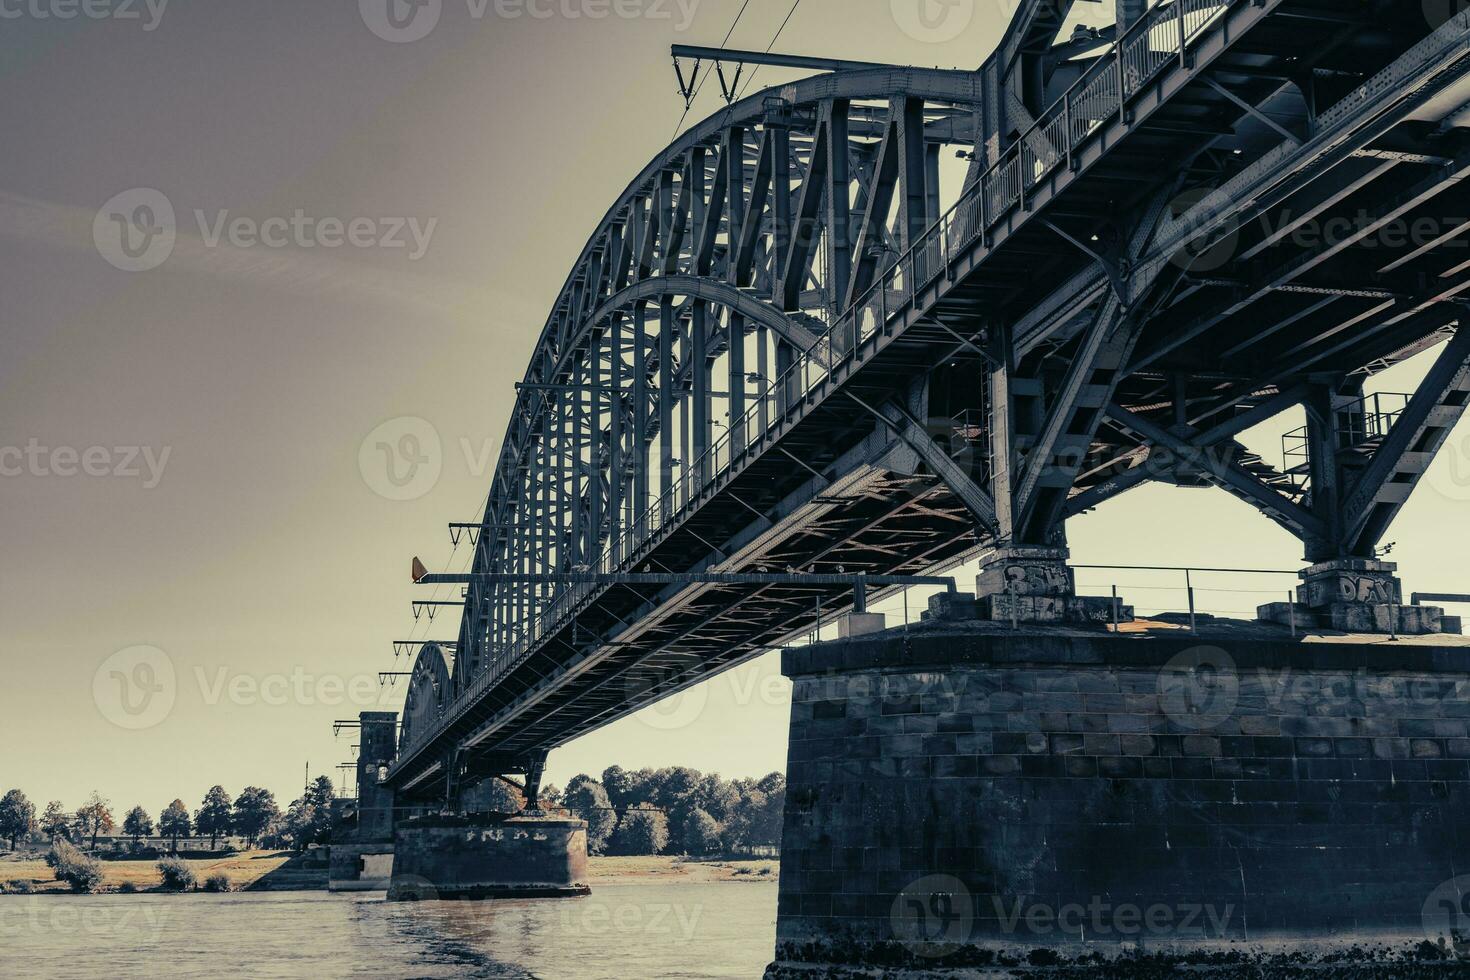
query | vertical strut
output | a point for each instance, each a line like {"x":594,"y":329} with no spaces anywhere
{"x":640,"y":410}
{"x":615,"y":430}
{"x":913,"y":169}
{"x":666,"y":435}
{"x":737,"y":382}
{"x":699,"y":373}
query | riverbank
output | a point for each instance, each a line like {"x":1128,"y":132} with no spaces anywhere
{"x":285,"y":871}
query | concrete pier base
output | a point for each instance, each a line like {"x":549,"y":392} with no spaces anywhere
{"x":962,"y":793}
{"x":359,"y":867}
{"x":1356,"y":595}
{"x":488,"y":855}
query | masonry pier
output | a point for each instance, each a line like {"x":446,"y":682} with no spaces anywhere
{"x":489,"y":855}
{"x":362,"y":860}
{"x":980,"y":785}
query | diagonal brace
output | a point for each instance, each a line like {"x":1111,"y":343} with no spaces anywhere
{"x":1226,"y":474}
{"x":907,"y":428}
{"x":1395,"y":469}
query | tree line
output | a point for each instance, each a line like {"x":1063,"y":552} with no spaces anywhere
{"x":676,"y":810}
{"x":253,"y":815}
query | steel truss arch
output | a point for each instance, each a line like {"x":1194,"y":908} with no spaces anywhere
{"x":741,"y":220}
{"x":429,"y":692}
{"x":706,"y":290}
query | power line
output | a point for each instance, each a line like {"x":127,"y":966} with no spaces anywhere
{"x":774,"y":38}
{"x":700,"y":86}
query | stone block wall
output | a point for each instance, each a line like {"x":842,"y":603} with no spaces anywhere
{"x":962,"y":784}
{"x":488,"y":856}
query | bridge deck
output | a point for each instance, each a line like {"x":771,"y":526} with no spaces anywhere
{"x":1220,"y":338}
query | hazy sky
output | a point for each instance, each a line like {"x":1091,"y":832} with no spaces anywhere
{"x":221,"y":515}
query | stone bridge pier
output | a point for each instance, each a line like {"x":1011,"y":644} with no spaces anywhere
{"x":1013,"y":781}
{"x":470,"y":851}
{"x":363,"y":859}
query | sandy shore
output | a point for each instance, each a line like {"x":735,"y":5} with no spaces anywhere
{"x":283,"y":871}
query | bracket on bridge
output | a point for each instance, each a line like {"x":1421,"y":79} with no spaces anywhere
{"x":407,"y":647}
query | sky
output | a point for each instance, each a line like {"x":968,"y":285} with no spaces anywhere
{"x":371,"y":227}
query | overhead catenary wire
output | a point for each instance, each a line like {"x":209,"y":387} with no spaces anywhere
{"x":775,"y":37}
{"x":689,"y":102}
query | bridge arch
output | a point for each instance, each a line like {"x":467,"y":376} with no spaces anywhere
{"x":430,"y":690}
{"x":729,"y":253}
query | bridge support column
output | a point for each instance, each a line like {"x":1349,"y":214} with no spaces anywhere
{"x":960,"y":796}
{"x":363,"y":859}
{"x":489,"y":855}
{"x":859,"y":621}
{"x":1028,"y":584}
{"x":1354,"y":595}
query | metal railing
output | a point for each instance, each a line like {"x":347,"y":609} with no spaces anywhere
{"x":1161,"y":36}
{"x":1190,"y":584}
{"x":1419,"y":598}
{"x":1370,"y":420}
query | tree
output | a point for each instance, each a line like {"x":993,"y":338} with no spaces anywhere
{"x":641,"y":832}
{"x":638,"y":789}
{"x":739,"y":829}
{"x":496,"y":796}
{"x":676,"y":791}
{"x":701,"y":833}
{"x":275,"y":837}
{"x":215,"y":816}
{"x":95,"y":818}
{"x":766,"y":827}
{"x":298,"y":824}
{"x":319,"y":796}
{"x":321,"y":793}
{"x":718,"y":797}
{"x":620,"y":785}
{"x":17,"y":817}
{"x":255,"y":811}
{"x":175,"y":874}
{"x":174,"y":823}
{"x":586,"y":798}
{"x":55,"y":822}
{"x":138,"y":824}
{"x":78,"y":870}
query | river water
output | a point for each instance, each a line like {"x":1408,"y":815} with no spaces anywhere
{"x":624,"y":931}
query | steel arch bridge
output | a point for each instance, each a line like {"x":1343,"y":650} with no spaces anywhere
{"x":884,"y":318}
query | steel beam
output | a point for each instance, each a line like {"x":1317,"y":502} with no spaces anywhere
{"x":1228,"y":475}
{"x":1396,"y":468}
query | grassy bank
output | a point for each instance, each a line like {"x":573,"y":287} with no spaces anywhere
{"x":283,"y":871}
{"x":251,"y":869}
